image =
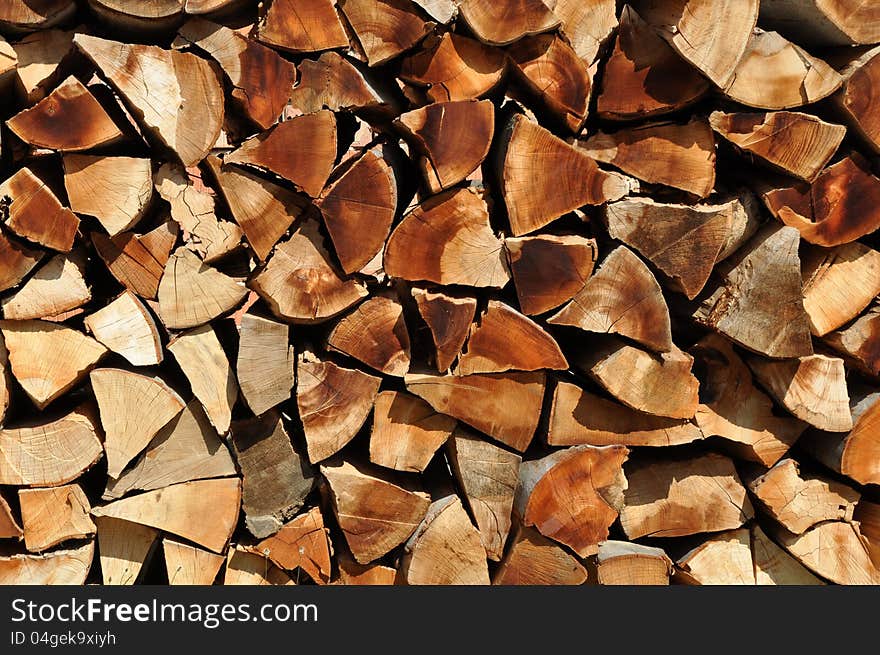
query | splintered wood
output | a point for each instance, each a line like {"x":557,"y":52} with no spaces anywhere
{"x":439,"y":292}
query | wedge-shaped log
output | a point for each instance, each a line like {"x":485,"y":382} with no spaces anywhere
{"x":861,"y":77}
{"x":9,"y":525}
{"x":58,"y":567}
{"x":57,"y":287}
{"x":384,"y":28}
{"x":406,"y":431}
{"x":859,"y":341}
{"x":820,"y":22}
{"x":302,"y":26}
{"x":354,"y":573}
{"x":138,"y":260}
{"x":332,"y":82}
{"x":244,"y":567}
{"x":265,"y":363}
{"x":32,"y":211}
{"x":501,"y":24}
{"x":834,"y":550}
{"x":374,"y":333}
{"x":624,"y":563}
{"x":303,"y":543}
{"x":50,"y":516}
{"x":448,"y":319}
{"x":127,"y":328}
{"x":123,"y":547}
{"x":774,"y":566}
{"x":23,"y":16}
{"x":16,"y":261}
{"x":532,"y":559}
{"x":586,"y":24}
{"x":39,"y":62}
{"x":723,"y":559}
{"x":188,"y":565}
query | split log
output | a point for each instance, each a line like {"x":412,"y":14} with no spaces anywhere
{"x":23,"y":16}
{"x":47,"y":359}
{"x":154,"y":16}
{"x":358,"y":207}
{"x":374,"y":333}
{"x":622,"y":297}
{"x":644,"y":76}
{"x":128,"y":329}
{"x":774,"y":73}
{"x":855,"y":98}
{"x":133,"y":409}
{"x":816,"y":22}
{"x":674,"y":498}
{"x":858,"y":342}
{"x":5,"y":388}
{"x":587,"y":24}
{"x":867,"y":514}
{"x":32,"y":211}
{"x":115,"y":190}
{"x":574,"y":495}
{"x":138,"y":260}
{"x":812,"y":388}
{"x":332,"y":82}
{"x":683,"y":241}
{"x":662,"y":385}
{"x":505,"y":406}
{"x":374,"y":515}
{"x":552,"y":72}
{"x":502,"y":24}
{"x":623,"y":563}
{"x":452,"y":139}
{"x":712,"y":36}
{"x":791,"y":142}
{"x":275,"y":479}
{"x":192,"y":293}
{"x":774,"y":566}
{"x":454,"y":67}
{"x":185,"y":113}
{"x":301,"y":150}
{"x":261,"y":79}
{"x":406,"y":431}
{"x":247,"y":568}
{"x":734,"y":409}
{"x":839,"y":207}
{"x":384,"y":28}
{"x":200,"y":355}
{"x":333,"y":402}
{"x":580,"y":417}
{"x":548,"y":270}
{"x":353,"y":573}
{"x":53,"y":515}
{"x":543,"y":177}
{"x":16,"y":261}
{"x":502,"y":340}
{"x":679,"y":156}
{"x":834,"y":550}
{"x":205,"y":512}
{"x":799,"y":502}
{"x":758,"y":303}
{"x":724,"y":559}
{"x":304,"y":257}
{"x":838,"y":284}
{"x":9,"y":527}
{"x":532,"y":559}
{"x":443,"y":11}
{"x":59,"y":567}
{"x":39,"y":62}
{"x":124,"y":548}
{"x":188,"y":565}
{"x":488,"y":475}
{"x":68,"y":120}
{"x":448,"y":240}
{"x":57,"y":287}
{"x":265,"y":364}
{"x":448,"y":319}
{"x":187,"y":448}
{"x":51,"y":453}
{"x":302,"y":26}
{"x":445,"y":549}
{"x":303,"y":543}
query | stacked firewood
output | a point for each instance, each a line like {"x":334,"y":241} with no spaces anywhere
{"x":439,"y":292}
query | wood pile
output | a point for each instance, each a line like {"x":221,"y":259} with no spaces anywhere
{"x":439,"y":292}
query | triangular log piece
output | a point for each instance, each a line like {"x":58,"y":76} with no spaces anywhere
{"x":488,"y":476}
{"x":580,"y":417}
{"x":48,"y":359}
{"x":205,"y":511}
{"x":448,"y":319}
{"x":138,"y":260}
{"x":57,"y":287}
{"x":50,"y":516}
{"x":358,"y":207}
{"x":375,"y":515}
{"x":791,"y":142}
{"x":332,"y":82}
{"x":185,"y":113}
{"x":302,"y":26}
{"x":275,"y":479}
{"x":16,"y":261}
{"x":548,"y":269}
{"x":188,"y":565}
{"x":123,"y":548}
{"x":574,"y":495}
{"x":244,"y":567}
{"x":333,"y":402}
{"x":623,"y":563}
{"x":543,"y":177}
{"x":819,"y":23}
{"x":774,"y":566}
{"x":68,"y":120}
{"x":354,"y":573}
{"x":443,"y":11}
{"x":304,"y":257}
{"x":501,"y":24}
{"x":678,"y":156}
{"x":187,"y":448}
{"x":265,"y":364}
{"x":192,"y":293}
{"x":384,"y":28}
{"x":303,"y":543}
{"x":375,"y":333}
{"x":723,"y":559}
{"x":644,"y":76}
{"x":127,"y":328}
{"x":32,"y":211}
{"x":448,"y":240}
{"x":532,"y":559}
{"x":133,"y":409}
{"x":9,"y":527}
{"x":586,"y":24}
{"x":735,"y":409}
{"x":58,"y":567}
{"x":861,"y":77}
{"x":23,"y":16}
{"x":301,"y":150}
{"x":445,"y":549}
{"x":860,"y":341}
{"x":812,"y":388}
{"x":406,"y":431}
{"x":506,"y":406}
{"x":758,"y":302}
{"x":39,"y":62}
{"x":622,"y":297}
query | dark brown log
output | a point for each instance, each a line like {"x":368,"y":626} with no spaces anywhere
{"x":24,"y":16}
{"x":384,"y":28}
{"x":153,"y":16}
{"x":16,"y":261}
{"x":31,"y":210}
{"x":302,"y":26}
{"x":449,"y":320}
{"x":855,"y":98}
{"x":331,"y":82}
{"x":138,"y":260}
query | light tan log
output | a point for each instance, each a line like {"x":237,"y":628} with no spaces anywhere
{"x":50,"y":516}
{"x":448,"y":319}
{"x":586,"y":24}
{"x":57,"y":287}
{"x":123,"y":548}
{"x":59,"y":567}
{"x":624,"y":563}
{"x":723,"y":559}
{"x":774,"y":566}
{"x":39,"y":61}
{"x":532,"y":559}
{"x":497,"y":24}
{"x":127,"y":328}
{"x":303,"y":543}
{"x":265,"y":364}
{"x":22,"y":16}
{"x":188,"y":565}
{"x":354,"y":573}
{"x":138,"y":260}
{"x":834,"y":550}
{"x":374,"y":333}
{"x":32,"y":211}
{"x":247,"y":568}
{"x":406,"y":431}
{"x":302,"y":26}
